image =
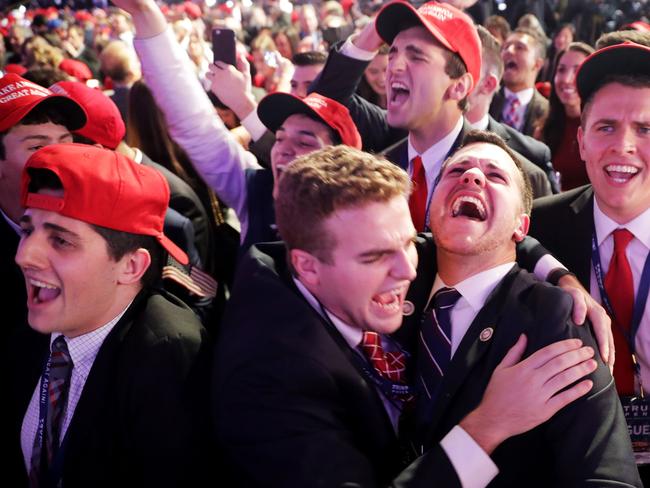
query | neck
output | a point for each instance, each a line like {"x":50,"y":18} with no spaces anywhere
{"x":454,"y":268}
{"x":423,"y":138}
{"x":517,"y":87}
{"x":476,"y":112}
{"x":572,"y":111}
{"x":620,"y":215}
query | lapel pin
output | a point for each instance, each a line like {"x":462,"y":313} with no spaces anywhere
{"x":486,"y":334}
{"x":408,"y":308}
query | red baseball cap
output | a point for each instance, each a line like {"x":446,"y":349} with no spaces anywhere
{"x":105,"y":125}
{"x":451,"y":27}
{"x":18,"y":97}
{"x":274,"y":109}
{"x":76,"y":68}
{"x":104,"y":188}
{"x":627,"y":58}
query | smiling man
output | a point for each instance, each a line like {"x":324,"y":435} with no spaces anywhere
{"x":114,"y":359}
{"x":309,"y":385}
{"x":611,"y":216}
{"x":479,"y":304}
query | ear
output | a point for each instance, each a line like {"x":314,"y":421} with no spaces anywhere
{"x":581,"y":146}
{"x":522,"y":228}
{"x":539,"y":62}
{"x":490,"y":84}
{"x":132,"y":266}
{"x":459,"y":88}
{"x":306,"y":266}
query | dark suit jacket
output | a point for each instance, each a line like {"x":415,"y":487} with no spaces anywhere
{"x":536,"y":110}
{"x":535,"y":151}
{"x":586,"y":443}
{"x":292,"y":407}
{"x":142,"y":418}
{"x":564,"y":224}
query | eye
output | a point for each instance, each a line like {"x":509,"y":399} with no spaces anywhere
{"x":497,"y":176}
{"x":605,"y":128}
{"x":644,"y":130}
{"x":35,"y":148}
{"x":26,"y":231}
{"x":59,"y":242}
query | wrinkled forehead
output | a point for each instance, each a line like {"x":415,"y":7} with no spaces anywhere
{"x":483,"y":154}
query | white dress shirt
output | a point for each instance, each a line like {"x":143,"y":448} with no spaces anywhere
{"x":473,"y":466}
{"x":636,"y":252}
{"x":83,"y":350}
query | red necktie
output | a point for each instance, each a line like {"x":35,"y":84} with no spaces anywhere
{"x":418,"y":198}
{"x":620,"y":291}
{"x":390,"y":365}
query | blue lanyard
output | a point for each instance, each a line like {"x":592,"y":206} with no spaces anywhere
{"x":639,"y":303}
{"x":56,"y":469}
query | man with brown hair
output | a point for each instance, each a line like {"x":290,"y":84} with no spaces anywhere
{"x":305,"y":392}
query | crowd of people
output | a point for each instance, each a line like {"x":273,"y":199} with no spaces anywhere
{"x":386,"y":244}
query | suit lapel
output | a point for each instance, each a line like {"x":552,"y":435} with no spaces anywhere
{"x":472,"y":348}
{"x":579,"y":248}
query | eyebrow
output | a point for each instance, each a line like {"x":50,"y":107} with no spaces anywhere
{"x":27,"y":219}
{"x":302,"y":132}
{"x":35,"y":136}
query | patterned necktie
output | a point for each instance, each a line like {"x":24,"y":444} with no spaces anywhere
{"x":59,"y":382}
{"x":511,"y":115}
{"x":434,"y":345}
{"x":390,"y":365}
{"x":620,"y":291}
{"x":418,"y":197}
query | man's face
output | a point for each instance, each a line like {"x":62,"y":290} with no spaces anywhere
{"x":372,"y":264}
{"x":477,"y":205}
{"x":298,"y":135}
{"x":71,"y":280}
{"x":615,"y":144}
{"x":20,"y":143}
{"x":302,"y":78}
{"x":520,"y":62}
{"x":416,"y":82}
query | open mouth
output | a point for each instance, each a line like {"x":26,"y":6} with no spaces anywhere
{"x":390,"y":301}
{"x":468,"y":207}
{"x":510,"y":65}
{"x":621,"y":173}
{"x":43,"y":292}
{"x":399,"y":93}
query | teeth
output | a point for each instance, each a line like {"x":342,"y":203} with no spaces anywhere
{"x":398,"y":86}
{"x":620,"y":168}
{"x":466,"y":198}
{"x":42,"y":284}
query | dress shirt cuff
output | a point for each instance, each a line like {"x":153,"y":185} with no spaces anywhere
{"x":473,"y":466}
{"x":351,"y":51}
{"x":545,"y":265}
{"x":254,"y":125}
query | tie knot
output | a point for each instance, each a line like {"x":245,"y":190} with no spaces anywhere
{"x":60,"y":353}
{"x":59,"y":345}
{"x":417,"y":165}
{"x":445,"y":298}
{"x":622,"y":237}
{"x":370,"y":339}
{"x":513,"y":100}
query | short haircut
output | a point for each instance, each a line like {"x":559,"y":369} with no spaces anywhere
{"x":317,"y":185}
{"x":539,"y":43}
{"x":118,"y":243}
{"x":41,"y":114}
{"x":619,"y":37}
{"x":491,"y":59}
{"x":499,"y":24}
{"x":309,"y":58}
{"x":482,"y":136}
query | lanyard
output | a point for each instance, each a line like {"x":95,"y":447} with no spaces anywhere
{"x":639,"y":303}
{"x":55,"y":470}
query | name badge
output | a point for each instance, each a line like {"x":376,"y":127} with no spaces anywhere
{"x":637,"y":415}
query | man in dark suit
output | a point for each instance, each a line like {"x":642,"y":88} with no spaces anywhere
{"x":519,"y":104}
{"x":605,"y":224}
{"x":304,"y":395}
{"x":482,"y":206}
{"x":121,"y":400}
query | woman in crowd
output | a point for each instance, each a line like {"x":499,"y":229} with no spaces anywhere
{"x":372,"y":86}
{"x":561,"y":126}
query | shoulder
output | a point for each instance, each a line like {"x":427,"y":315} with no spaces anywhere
{"x":561,"y":201}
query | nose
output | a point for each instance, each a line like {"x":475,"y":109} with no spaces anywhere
{"x":395,"y":63}
{"x":626,"y":142}
{"x":29,"y":254}
{"x":473,"y":176}
{"x":404,"y":265}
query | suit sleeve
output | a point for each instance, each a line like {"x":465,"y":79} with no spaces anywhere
{"x":339,"y":80}
{"x":588,"y":439}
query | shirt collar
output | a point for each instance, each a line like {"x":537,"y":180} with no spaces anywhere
{"x":524,"y":96}
{"x":436,"y":154}
{"x":639,"y":226}
{"x":476,"y":289}
{"x":482,"y":123}
{"x":11,"y":223}
{"x":352,"y":335}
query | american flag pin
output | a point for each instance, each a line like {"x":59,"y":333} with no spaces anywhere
{"x":408,"y":308}
{"x":486,"y":334}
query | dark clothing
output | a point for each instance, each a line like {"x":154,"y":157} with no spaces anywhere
{"x":535,"y":113}
{"x":261,"y":212}
{"x":585,"y":443}
{"x":293,"y":408}
{"x":142,"y":419}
